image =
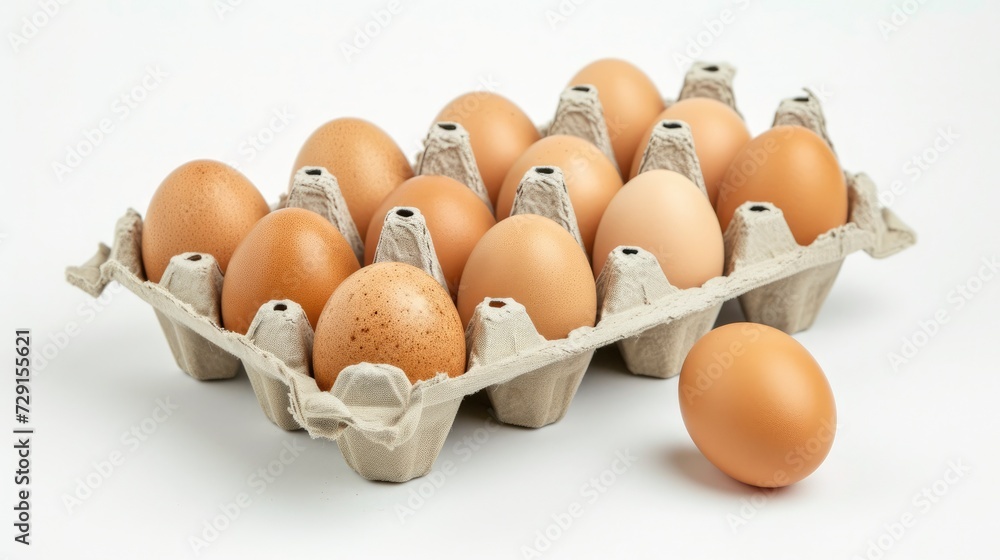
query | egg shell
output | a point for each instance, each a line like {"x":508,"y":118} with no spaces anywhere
{"x":591,"y":179}
{"x":389,"y":313}
{"x":630,"y":101}
{"x":291,"y":253}
{"x":793,"y":168}
{"x":757,"y":404}
{"x":719,"y":134}
{"x":456,"y":219}
{"x":499,"y":132}
{"x":664,"y":213}
{"x":365,"y":160}
{"x":203,"y":206}
{"x":537,"y":263}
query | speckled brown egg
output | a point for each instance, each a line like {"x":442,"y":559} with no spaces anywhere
{"x":290,"y":254}
{"x":365,"y":160}
{"x":389,"y":313}
{"x":203,"y":206}
{"x":540,"y":265}
{"x":591,"y":179}
{"x":456,"y":219}
{"x":499,"y":132}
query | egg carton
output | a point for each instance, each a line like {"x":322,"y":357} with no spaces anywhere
{"x":389,"y":429}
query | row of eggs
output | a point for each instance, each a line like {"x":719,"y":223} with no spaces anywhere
{"x":209,"y":207}
{"x":397,"y":314}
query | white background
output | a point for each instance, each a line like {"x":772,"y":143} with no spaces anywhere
{"x":887,"y":100}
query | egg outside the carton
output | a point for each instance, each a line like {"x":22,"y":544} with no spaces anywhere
{"x":757,"y":405}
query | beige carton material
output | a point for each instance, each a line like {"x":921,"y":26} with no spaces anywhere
{"x":282,"y":328}
{"x":388,"y":429}
{"x":805,"y":111}
{"x":710,"y":79}
{"x":580,"y":114}
{"x":500,"y":328}
{"x":671,"y":147}
{"x":315,"y":189}
{"x":405,"y":239}
{"x":447,"y":152}
{"x":543,"y":191}
{"x":384,"y":390}
{"x":633,"y":279}
{"x":196,"y":279}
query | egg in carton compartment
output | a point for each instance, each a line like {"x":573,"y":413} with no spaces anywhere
{"x":389,"y":429}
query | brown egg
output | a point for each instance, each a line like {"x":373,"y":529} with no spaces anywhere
{"x":591,"y":179}
{"x":456,"y":219}
{"x":365,"y":160}
{"x":757,"y":405}
{"x":630,"y":101}
{"x":537,"y":263}
{"x":719,"y":134}
{"x":389,"y":313}
{"x":499,"y":132}
{"x":290,"y":254}
{"x":203,"y":206}
{"x":664,"y":213}
{"x":793,"y":168}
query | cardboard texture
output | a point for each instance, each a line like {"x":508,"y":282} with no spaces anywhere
{"x":405,"y":239}
{"x":390,"y":430}
{"x":447,"y":152}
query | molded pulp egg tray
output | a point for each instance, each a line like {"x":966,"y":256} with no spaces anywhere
{"x":390,"y":430}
